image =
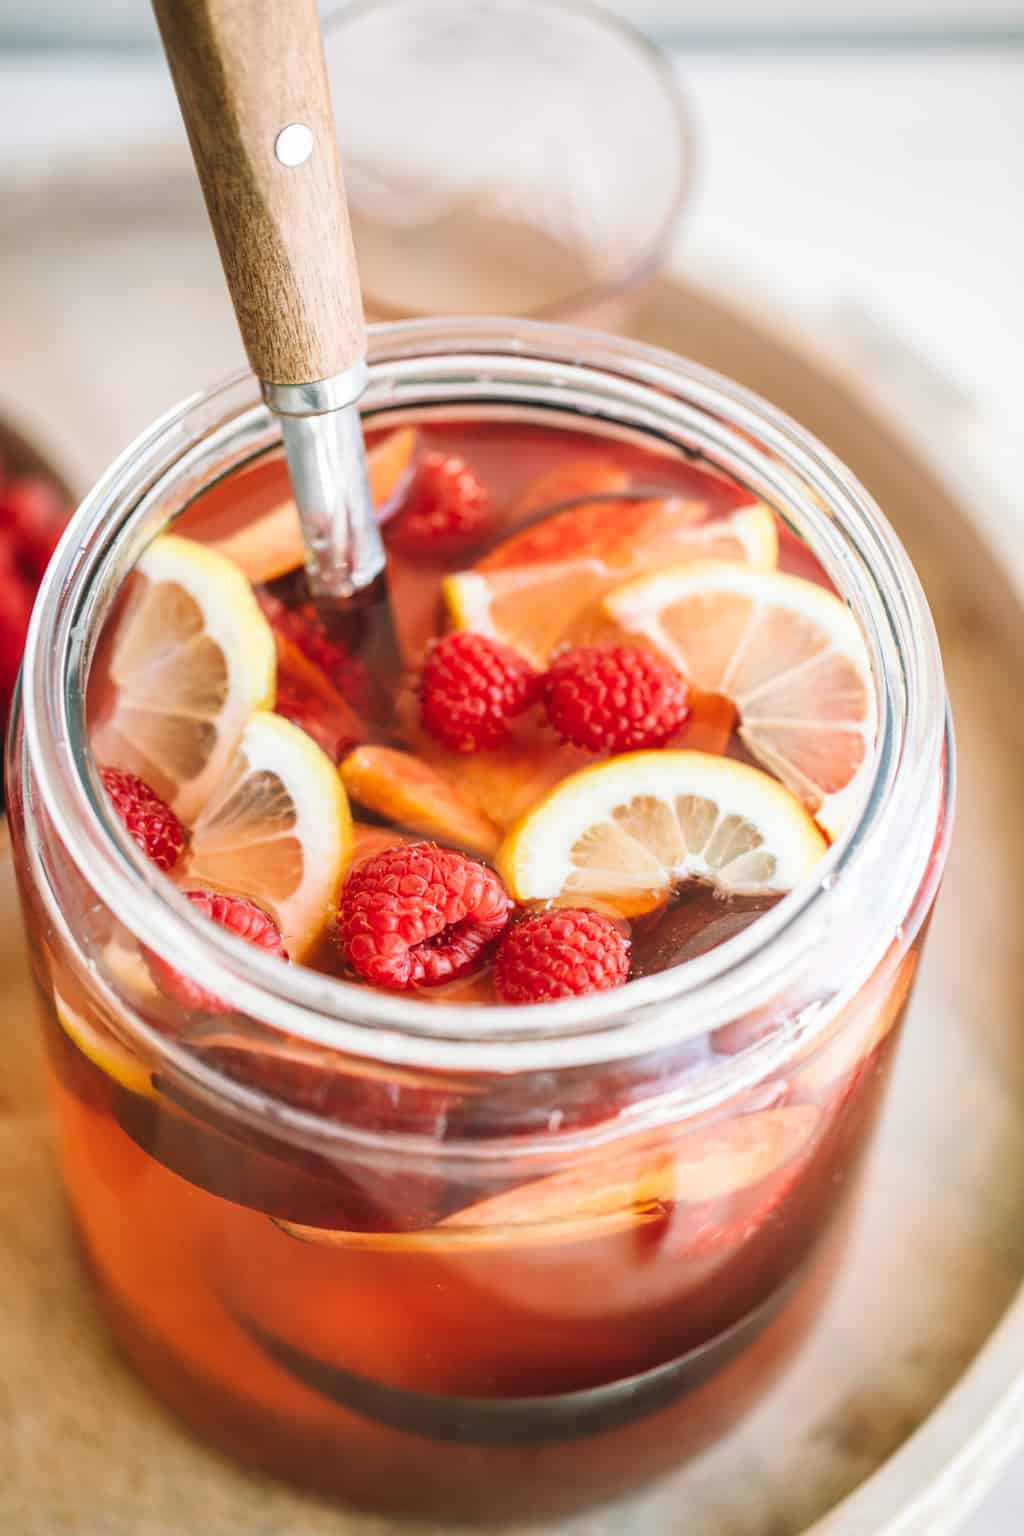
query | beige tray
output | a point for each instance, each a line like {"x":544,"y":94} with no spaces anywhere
{"x":909,"y":1394}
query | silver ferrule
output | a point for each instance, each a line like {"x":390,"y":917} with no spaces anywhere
{"x":319,"y":396}
{"x":323,"y":441}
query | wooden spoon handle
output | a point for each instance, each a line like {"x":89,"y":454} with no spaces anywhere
{"x":245,"y":70}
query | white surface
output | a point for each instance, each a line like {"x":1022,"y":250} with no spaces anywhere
{"x":873,"y":200}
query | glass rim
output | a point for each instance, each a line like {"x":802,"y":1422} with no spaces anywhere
{"x":724,"y":984}
{"x":337,"y":13}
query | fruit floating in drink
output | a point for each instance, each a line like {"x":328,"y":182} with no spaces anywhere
{"x":620,"y":718}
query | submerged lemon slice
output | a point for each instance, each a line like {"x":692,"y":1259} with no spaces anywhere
{"x":620,"y":835}
{"x":790,"y":656}
{"x":610,"y":1194}
{"x":103,"y":1049}
{"x":191,"y":659}
{"x":276,"y":829}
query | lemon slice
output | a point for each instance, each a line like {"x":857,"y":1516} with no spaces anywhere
{"x":537,"y":587}
{"x":276,"y":829}
{"x":103,"y":1049}
{"x":190,"y":660}
{"x":620,"y":835}
{"x":787,"y":653}
{"x":595,"y":1199}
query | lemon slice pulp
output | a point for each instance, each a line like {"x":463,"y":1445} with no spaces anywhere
{"x":787,"y":652}
{"x":276,"y":829}
{"x":621,"y":834}
{"x":191,"y":659}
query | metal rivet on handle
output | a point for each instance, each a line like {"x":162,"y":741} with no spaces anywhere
{"x":294,"y":144}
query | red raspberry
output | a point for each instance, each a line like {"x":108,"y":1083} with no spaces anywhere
{"x":614,"y":698}
{"x":241,"y":917}
{"x":15,"y":611}
{"x":564,"y":952}
{"x":419,"y":915}
{"x":33,"y":513}
{"x":148,"y":819}
{"x":447,"y":509}
{"x":471,"y":687}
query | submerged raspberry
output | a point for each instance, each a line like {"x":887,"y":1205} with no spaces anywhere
{"x":470,"y":688}
{"x":419,"y":915}
{"x":614,"y":698}
{"x":241,"y":917}
{"x":302,"y":627}
{"x":148,"y":819}
{"x":311,"y":712}
{"x":447,"y":510}
{"x":565,"y":952}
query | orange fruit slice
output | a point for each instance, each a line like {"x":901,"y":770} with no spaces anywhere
{"x":534,"y":588}
{"x":398,"y":786}
{"x":266,"y":542}
{"x":790,"y":656}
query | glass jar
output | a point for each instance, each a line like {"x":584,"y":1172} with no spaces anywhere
{"x":455,"y":1261}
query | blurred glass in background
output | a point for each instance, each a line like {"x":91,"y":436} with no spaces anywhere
{"x":533,"y":159}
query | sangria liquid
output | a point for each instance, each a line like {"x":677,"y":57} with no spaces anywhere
{"x":478,"y":1294}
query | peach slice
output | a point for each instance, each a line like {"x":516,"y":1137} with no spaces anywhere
{"x":265,"y":541}
{"x":368,"y":841}
{"x":399,"y":787}
{"x":506,"y":781}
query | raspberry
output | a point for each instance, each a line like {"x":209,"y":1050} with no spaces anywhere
{"x":564,"y":952}
{"x":470,"y":688}
{"x":419,"y":915}
{"x":614,"y":698}
{"x":15,"y":610}
{"x":33,"y":514}
{"x":241,"y":917}
{"x":147,"y":818}
{"x":447,"y":509}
